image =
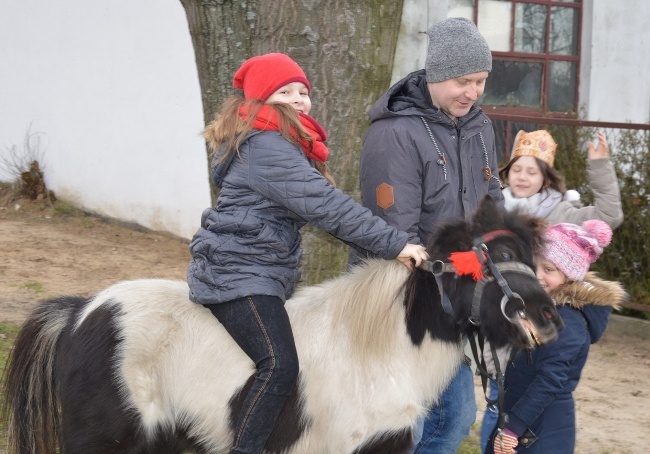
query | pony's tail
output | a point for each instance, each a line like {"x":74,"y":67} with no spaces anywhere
{"x":31,"y":407}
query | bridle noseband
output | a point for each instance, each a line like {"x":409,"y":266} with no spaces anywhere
{"x":479,"y":246}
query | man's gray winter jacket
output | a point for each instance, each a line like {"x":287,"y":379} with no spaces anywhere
{"x":418,"y":167}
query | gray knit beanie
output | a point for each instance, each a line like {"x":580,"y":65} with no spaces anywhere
{"x":456,"y":48}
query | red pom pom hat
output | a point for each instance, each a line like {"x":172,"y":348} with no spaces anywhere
{"x":261,"y":76}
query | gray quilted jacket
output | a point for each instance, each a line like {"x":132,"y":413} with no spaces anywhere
{"x":607,"y":198}
{"x":249,"y":244}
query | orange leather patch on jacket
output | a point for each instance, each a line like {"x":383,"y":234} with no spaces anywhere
{"x":385,"y":198}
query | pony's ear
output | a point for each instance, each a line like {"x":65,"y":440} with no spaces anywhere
{"x":485,"y":212}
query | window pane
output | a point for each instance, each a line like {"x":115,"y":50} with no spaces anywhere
{"x":530,"y":28}
{"x":564,"y":31}
{"x":567,"y":1}
{"x":562,"y":86}
{"x":494,"y":18}
{"x":513,"y":84}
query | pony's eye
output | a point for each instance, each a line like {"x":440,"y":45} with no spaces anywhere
{"x":506,"y":255}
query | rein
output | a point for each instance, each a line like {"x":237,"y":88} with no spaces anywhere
{"x":499,"y":379}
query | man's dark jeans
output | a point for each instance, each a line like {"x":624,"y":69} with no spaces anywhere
{"x":260,"y":325}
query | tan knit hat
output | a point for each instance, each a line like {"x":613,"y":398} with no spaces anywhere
{"x":538,"y":144}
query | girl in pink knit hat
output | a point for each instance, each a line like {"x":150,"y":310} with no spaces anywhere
{"x":269,"y":162}
{"x":536,"y":188}
{"x":539,"y":385}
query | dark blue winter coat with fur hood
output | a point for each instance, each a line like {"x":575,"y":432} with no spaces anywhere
{"x":249,"y":244}
{"x":539,"y":395}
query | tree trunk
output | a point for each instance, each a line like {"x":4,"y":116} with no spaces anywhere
{"x":346,"y":48}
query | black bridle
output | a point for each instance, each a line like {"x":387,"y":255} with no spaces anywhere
{"x":491,"y":272}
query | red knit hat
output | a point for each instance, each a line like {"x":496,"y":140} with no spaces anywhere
{"x":261,"y":76}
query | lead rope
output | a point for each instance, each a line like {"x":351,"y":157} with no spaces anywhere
{"x":485,"y":376}
{"x":500,"y":379}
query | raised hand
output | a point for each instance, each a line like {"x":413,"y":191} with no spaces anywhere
{"x":603,"y":149}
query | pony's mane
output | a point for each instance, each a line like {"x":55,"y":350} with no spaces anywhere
{"x":458,"y":235}
{"x":366,"y":305}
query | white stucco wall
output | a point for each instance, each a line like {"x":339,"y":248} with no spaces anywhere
{"x":615,"y":67}
{"x":412,"y":42}
{"x":617,"y":80}
{"x":112,"y":88}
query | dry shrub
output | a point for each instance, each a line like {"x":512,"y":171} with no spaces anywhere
{"x":22,"y":169}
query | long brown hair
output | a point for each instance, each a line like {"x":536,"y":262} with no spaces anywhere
{"x":552,"y":178}
{"x":226,"y":132}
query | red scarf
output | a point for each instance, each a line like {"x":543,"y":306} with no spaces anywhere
{"x":267,"y":120}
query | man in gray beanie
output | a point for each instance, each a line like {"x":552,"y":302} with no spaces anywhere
{"x":429,"y":156}
{"x":456,"y":48}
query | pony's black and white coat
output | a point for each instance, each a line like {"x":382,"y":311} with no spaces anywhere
{"x":139,"y":368}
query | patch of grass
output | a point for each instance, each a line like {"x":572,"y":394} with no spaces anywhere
{"x":64,"y":209}
{"x":34,"y":286}
{"x":8,"y":333}
{"x":472,"y":443}
{"x":87,"y":223}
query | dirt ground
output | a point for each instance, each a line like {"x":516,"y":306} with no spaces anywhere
{"x":47,"y":251}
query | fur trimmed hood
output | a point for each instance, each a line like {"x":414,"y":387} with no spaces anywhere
{"x":593,"y":290}
{"x":594,"y":298}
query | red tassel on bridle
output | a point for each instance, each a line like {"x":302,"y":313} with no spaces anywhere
{"x":467,"y":264}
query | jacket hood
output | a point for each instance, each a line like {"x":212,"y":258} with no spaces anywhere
{"x":220,"y":169}
{"x":595,"y":298}
{"x":410,"y":96}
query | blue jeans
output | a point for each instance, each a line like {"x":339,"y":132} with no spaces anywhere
{"x":490,"y":417}
{"x":260,"y":326}
{"x":449,"y":422}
